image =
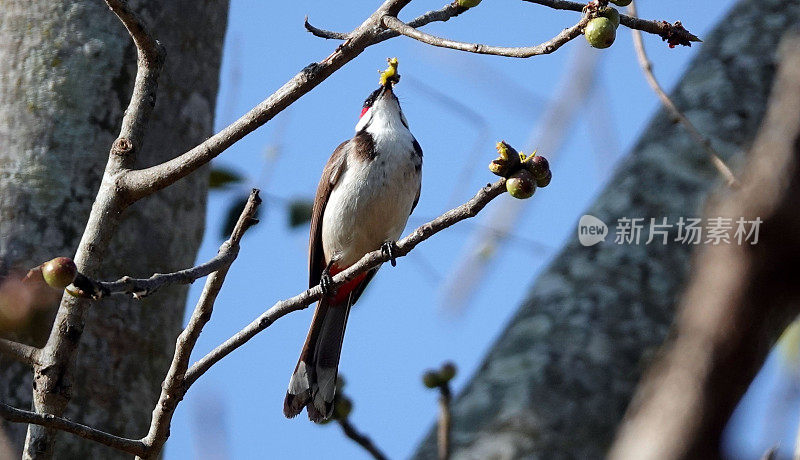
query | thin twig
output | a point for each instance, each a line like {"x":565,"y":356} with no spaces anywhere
{"x":131,"y":446}
{"x":361,"y":439}
{"x":326,"y":34}
{"x":516,"y":52}
{"x":661,"y":28}
{"x":370,"y":260}
{"x":441,"y":15}
{"x":445,"y":421}
{"x":143,"y":287}
{"x":21,"y":352}
{"x":647,"y":68}
{"x":173,"y":388}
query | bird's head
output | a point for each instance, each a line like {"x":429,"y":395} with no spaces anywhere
{"x":381,"y":106}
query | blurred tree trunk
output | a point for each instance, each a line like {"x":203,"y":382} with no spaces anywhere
{"x":68,"y":70}
{"x":557,"y":382}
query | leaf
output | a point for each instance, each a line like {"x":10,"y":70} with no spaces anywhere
{"x":235,"y":209}
{"x":300,"y":212}
{"x":222,"y":177}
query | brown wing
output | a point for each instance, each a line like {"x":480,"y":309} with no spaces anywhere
{"x":330,"y":176}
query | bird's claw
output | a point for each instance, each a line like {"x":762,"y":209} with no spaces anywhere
{"x":326,"y":283}
{"x":389,"y":249}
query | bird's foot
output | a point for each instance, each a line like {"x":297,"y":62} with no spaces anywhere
{"x":389,"y":249}
{"x":326,"y":283}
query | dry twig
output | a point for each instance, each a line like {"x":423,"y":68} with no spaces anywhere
{"x":21,"y":352}
{"x":515,"y":52}
{"x":647,"y":68}
{"x":361,"y":439}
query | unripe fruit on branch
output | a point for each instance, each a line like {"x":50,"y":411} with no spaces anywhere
{"x":600,"y":32}
{"x":448,"y":371}
{"x":432,"y":379}
{"x":521,"y":184}
{"x":342,"y":407}
{"x":538,"y":166}
{"x":545,"y":180}
{"x":59,"y":272}
{"x":469,"y":3}
{"x":610,"y":13}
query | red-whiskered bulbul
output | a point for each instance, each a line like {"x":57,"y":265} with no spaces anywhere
{"x":368,"y":189}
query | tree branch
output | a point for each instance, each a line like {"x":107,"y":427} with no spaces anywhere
{"x":647,"y":68}
{"x":443,"y":14}
{"x":173,"y":389}
{"x":131,"y":446}
{"x":143,"y":287}
{"x":444,"y":428}
{"x":370,"y":260}
{"x":663,"y":29}
{"x":515,"y":52}
{"x":21,"y":352}
{"x":143,"y":182}
{"x":361,"y":439}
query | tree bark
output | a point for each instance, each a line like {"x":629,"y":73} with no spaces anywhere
{"x":557,"y":382}
{"x":67,"y":78}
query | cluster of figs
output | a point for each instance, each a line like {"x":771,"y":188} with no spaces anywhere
{"x":523,"y":173}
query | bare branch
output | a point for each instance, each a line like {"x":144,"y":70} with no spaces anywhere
{"x":131,"y":446}
{"x":143,"y":287}
{"x":370,"y":260}
{"x":445,"y":421}
{"x":173,"y":388}
{"x":21,"y":352}
{"x":647,"y":68}
{"x":515,"y":52}
{"x":150,"y":61}
{"x":326,"y":34}
{"x":663,"y":29}
{"x":443,"y":14}
{"x":140,"y":183}
{"x":361,"y":439}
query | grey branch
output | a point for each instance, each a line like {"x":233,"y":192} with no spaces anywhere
{"x":739,"y":300}
{"x":647,"y":68}
{"x":19,"y":351}
{"x":143,"y":182}
{"x":444,"y":428}
{"x":441,"y":15}
{"x":660,"y":28}
{"x":132,"y":446}
{"x":516,"y":52}
{"x":361,"y":439}
{"x":143,"y":287}
{"x":173,"y":388}
{"x":370,"y":260}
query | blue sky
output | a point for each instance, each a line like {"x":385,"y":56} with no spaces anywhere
{"x":399,"y":327}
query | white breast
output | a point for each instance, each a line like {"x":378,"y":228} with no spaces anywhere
{"x":372,"y":200}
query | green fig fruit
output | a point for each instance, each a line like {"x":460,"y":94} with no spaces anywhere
{"x":521,"y":184}
{"x":600,"y":32}
{"x":59,"y":272}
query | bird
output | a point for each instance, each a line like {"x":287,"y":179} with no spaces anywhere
{"x":368,"y":189}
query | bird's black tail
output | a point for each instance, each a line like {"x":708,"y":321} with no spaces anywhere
{"x":313,"y":383}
